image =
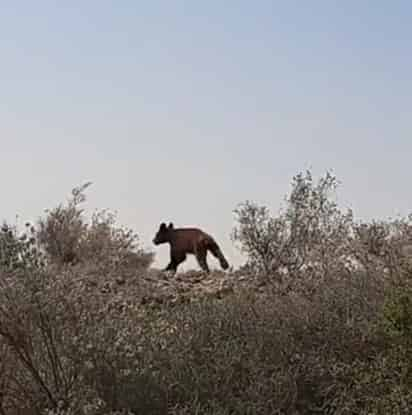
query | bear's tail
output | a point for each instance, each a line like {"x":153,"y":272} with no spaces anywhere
{"x":217,"y":252}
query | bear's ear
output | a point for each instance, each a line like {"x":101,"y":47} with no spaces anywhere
{"x":162,"y":226}
{"x":170,"y":225}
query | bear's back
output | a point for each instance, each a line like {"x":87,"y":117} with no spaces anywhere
{"x":188,"y":240}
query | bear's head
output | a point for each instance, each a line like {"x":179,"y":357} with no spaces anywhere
{"x":163,"y":234}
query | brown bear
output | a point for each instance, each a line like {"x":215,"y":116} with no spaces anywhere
{"x":185,"y":241}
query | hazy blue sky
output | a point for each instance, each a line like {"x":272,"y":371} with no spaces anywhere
{"x":179,"y":110}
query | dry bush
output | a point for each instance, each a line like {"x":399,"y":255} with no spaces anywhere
{"x":18,"y":251}
{"x":67,"y":238}
{"x":68,"y":293}
{"x":73,"y":345}
{"x":311,"y":232}
{"x":314,"y":239}
{"x":315,"y":250}
{"x":71,"y":342}
{"x":329,"y":333}
{"x":276,"y":353}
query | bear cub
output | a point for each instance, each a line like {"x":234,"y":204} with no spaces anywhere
{"x":185,"y":241}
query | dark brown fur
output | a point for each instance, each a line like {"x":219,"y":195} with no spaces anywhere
{"x":185,"y":241}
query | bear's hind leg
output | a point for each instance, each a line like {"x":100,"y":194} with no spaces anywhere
{"x":201,"y":259}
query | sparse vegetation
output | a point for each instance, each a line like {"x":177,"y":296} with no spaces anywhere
{"x":319,"y":321}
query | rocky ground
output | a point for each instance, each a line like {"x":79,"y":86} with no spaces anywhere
{"x":164,"y":287}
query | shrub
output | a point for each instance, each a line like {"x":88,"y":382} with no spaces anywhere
{"x":313,"y":239}
{"x":397,"y":314}
{"x":312,"y":231}
{"x":67,"y":294}
{"x":77,"y":337}
{"x":19,"y":251}
{"x":67,"y":238}
{"x":69,"y":338}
